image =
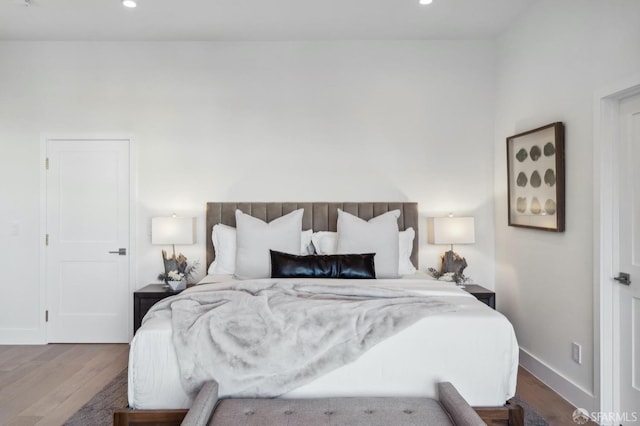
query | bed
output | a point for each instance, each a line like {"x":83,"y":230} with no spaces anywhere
{"x":474,"y":346}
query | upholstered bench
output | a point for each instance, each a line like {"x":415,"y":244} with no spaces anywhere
{"x":449,"y":409}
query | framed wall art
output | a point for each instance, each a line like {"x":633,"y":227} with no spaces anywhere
{"x":535,"y":167}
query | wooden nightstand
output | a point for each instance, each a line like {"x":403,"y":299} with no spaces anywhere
{"x":145,"y":298}
{"x":484,"y":295}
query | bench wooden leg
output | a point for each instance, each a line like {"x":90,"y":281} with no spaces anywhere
{"x":516,"y":414}
{"x":511,"y":414}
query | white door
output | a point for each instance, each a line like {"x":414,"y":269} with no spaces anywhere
{"x":88,"y":220}
{"x":629,"y":237}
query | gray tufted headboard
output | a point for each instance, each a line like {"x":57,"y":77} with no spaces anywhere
{"x":317,"y":216}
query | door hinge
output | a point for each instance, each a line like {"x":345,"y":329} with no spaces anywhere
{"x":46,"y":240}
{"x":46,"y":316}
{"x":46,"y":163}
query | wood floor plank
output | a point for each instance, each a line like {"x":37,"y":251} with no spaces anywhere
{"x":9,"y":352}
{"x":19,"y":356}
{"x":24,"y":421}
{"x":19,"y":371}
{"x":37,"y":383}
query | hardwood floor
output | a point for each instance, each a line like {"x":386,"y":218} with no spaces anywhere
{"x":556,"y":410}
{"x":45,"y":385}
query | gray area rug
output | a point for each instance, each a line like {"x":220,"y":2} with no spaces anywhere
{"x":531,"y":418}
{"x":99,"y":410}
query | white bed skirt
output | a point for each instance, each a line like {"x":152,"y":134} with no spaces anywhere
{"x":474,"y":348}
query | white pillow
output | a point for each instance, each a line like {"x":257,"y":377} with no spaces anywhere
{"x":224,"y":243}
{"x":254,"y":239}
{"x":405,"y":247}
{"x":326,"y":242}
{"x":306,"y":247}
{"x":379,"y":235}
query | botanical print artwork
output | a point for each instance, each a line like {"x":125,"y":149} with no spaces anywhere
{"x":533,"y":159}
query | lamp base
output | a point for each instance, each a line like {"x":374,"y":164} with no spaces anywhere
{"x":453,"y":262}
{"x":174,"y":263}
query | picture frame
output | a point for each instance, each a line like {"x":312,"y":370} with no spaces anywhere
{"x":536,"y":179}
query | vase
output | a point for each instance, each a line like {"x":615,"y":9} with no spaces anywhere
{"x":177,"y":285}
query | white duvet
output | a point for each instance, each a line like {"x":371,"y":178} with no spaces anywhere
{"x":474,"y":348}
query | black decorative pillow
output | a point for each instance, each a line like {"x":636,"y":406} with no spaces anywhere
{"x":353,"y":266}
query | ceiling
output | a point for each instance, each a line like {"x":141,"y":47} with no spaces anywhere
{"x":270,"y":20}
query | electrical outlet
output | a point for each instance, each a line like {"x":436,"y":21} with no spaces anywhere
{"x":576,"y":352}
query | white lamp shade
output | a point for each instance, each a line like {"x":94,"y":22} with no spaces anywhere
{"x":173,"y":230}
{"x":452,"y":230}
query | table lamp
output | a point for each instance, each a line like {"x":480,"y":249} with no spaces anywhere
{"x":452,"y":230}
{"x":173,"y":230}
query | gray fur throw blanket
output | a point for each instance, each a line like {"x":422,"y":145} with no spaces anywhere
{"x":264,"y":338}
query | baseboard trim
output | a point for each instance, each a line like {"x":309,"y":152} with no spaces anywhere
{"x":21,"y":336}
{"x":564,"y":387}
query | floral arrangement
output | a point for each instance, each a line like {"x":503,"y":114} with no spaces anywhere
{"x":175,"y":276}
{"x":184,"y":272}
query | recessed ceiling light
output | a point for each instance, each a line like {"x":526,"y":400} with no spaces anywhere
{"x":129,"y":3}
{"x":425,"y":1}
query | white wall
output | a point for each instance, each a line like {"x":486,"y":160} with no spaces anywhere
{"x":550,"y":64}
{"x":335,"y":121}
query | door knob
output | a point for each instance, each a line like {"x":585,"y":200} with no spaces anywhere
{"x":120,"y":252}
{"x":623,"y":278}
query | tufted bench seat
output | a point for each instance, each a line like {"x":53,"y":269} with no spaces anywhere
{"x":449,"y":409}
